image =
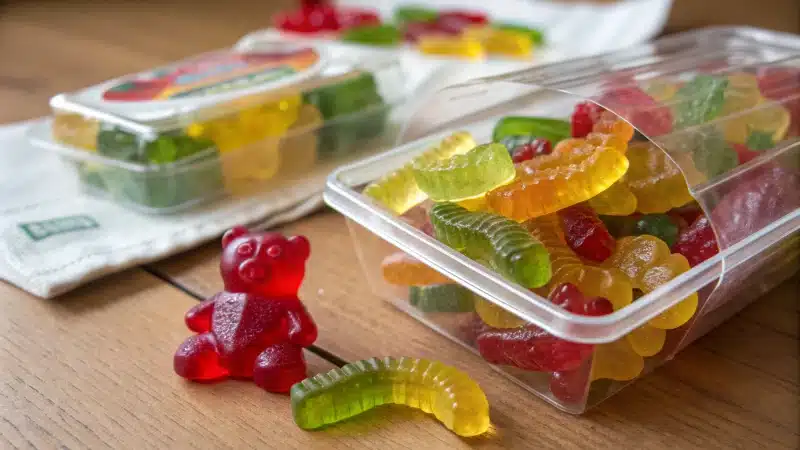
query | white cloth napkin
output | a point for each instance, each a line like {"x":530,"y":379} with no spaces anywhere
{"x":54,"y":238}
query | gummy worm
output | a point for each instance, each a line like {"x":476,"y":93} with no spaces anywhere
{"x":451,"y":395}
{"x":501,"y":242}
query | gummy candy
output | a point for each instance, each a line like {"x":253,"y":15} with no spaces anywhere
{"x":380,"y":35}
{"x":553,"y":130}
{"x":412,"y":31}
{"x":257,"y":327}
{"x":711,"y":155}
{"x":617,"y":200}
{"x":76,"y":130}
{"x":697,"y":242}
{"x":573,"y":173}
{"x":502,"y":243}
{"x":357,"y":94}
{"x":782,"y":84}
{"x":356,"y":17}
{"x":661,"y":226}
{"x":405,"y":14}
{"x":298,"y":148}
{"x":449,"y":394}
{"x":616,"y":361}
{"x":441,"y":298}
{"x":309,"y":19}
{"x":656,"y":181}
{"x":180,"y":169}
{"x":743,"y":94}
{"x":533,"y":34}
{"x":404,"y":270}
{"x":568,"y":268}
{"x":457,"y":21}
{"x":456,"y":46}
{"x":585,"y":233}
{"x":528,"y":151}
{"x":501,"y":42}
{"x":639,"y":108}
{"x":495,"y":316}
{"x":583,"y":118}
{"x":769,"y":194}
{"x":648,"y":263}
{"x":646,"y":340}
{"x":467,"y":175}
{"x":398,"y":190}
{"x":699,"y":101}
{"x":531,"y":348}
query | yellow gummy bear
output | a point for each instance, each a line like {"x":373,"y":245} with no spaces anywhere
{"x":617,"y":200}
{"x":745,"y":110}
{"x":616,"y":361}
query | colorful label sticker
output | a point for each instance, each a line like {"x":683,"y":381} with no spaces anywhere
{"x":215,"y":73}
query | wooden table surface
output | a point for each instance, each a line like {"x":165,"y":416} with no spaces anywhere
{"x":92,"y":369}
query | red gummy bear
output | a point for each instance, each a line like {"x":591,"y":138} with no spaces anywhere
{"x":531,"y":348}
{"x":583,"y":118}
{"x":257,"y":327}
{"x":585,"y":233}
{"x":697,"y":242}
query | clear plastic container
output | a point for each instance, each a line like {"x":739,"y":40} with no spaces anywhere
{"x":232,"y":121}
{"x":726,"y":92}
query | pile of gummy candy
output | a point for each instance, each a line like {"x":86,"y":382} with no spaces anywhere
{"x":455,"y":33}
{"x":591,"y":214}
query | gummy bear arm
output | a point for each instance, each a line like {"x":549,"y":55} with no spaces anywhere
{"x":198,"y":319}
{"x":302,"y":329}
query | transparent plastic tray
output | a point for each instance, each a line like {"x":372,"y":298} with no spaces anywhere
{"x":752,"y":203}
{"x":231,"y":121}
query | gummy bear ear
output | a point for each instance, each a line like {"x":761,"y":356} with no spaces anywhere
{"x":232,"y":234}
{"x":300,"y":246}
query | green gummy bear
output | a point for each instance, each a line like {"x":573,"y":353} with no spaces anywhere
{"x":699,"y":101}
{"x":352,"y":109}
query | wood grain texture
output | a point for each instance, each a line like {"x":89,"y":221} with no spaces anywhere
{"x":92,"y":369}
{"x":735,"y":388}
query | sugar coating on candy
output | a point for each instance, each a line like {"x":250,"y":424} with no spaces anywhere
{"x":697,"y":242}
{"x":451,"y":298}
{"x":648,"y":263}
{"x":495,"y":240}
{"x":398,"y":190}
{"x":549,"y":183}
{"x":467,"y":175}
{"x":405,"y":270}
{"x":585,"y":233}
{"x":447,"y":393}
{"x":257,"y":327}
{"x":655,"y":180}
{"x":593,"y":281}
